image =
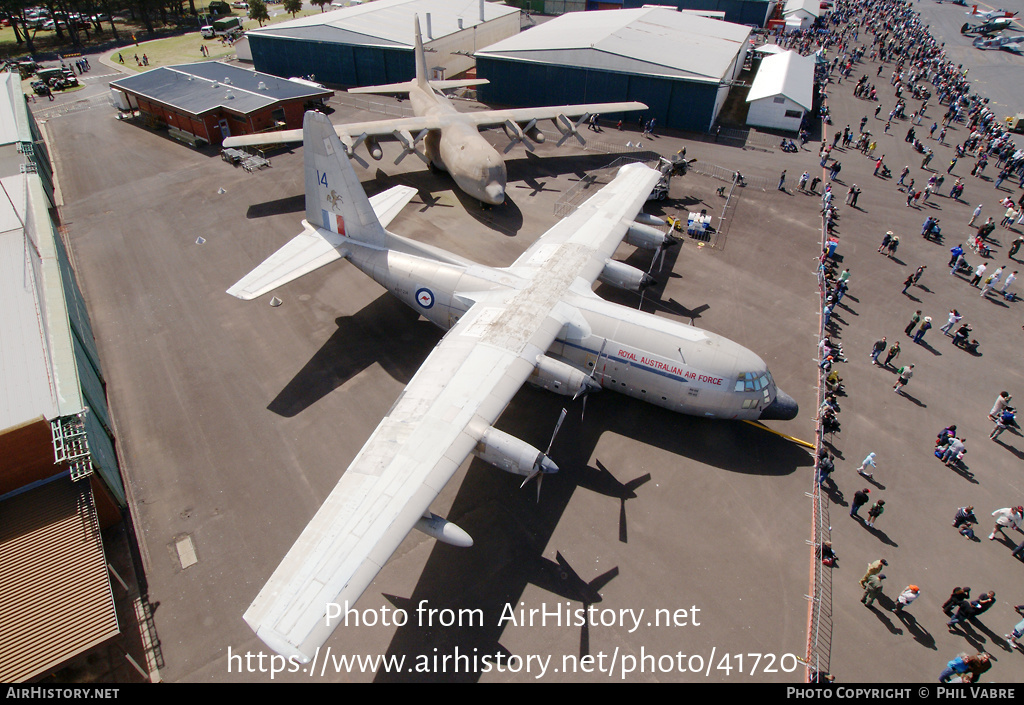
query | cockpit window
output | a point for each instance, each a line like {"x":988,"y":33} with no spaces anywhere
{"x":752,"y":381}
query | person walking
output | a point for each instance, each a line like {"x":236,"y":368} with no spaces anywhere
{"x":954,"y":318}
{"x":860,"y":498}
{"x":922,"y":329}
{"x":907,"y":283}
{"x":893,"y":353}
{"x":872,"y":589}
{"x":909,"y":594}
{"x":1005,"y":517}
{"x":886,"y":239}
{"x":782,"y":181}
{"x":875,"y":511}
{"x":1013,"y":638}
{"x":874,"y":568}
{"x":1010,"y":279}
{"x":956,"y":598}
{"x":978,"y":273}
{"x":877,"y":349}
{"x":1002,"y":401}
{"x":975,"y":214}
{"x":914,"y":320}
{"x":903,"y":376}
{"x":868,"y":462}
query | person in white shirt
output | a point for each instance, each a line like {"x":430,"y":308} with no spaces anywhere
{"x":1005,"y":517}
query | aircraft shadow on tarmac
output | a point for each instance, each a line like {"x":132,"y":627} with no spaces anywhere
{"x":513,"y":530}
{"x":386,"y":332}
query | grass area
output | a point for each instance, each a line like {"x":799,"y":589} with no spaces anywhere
{"x":184,"y":49}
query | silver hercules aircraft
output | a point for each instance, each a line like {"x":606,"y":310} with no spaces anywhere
{"x":440,"y":135}
{"x":536,"y":321}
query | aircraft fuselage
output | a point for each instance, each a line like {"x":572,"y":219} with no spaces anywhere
{"x":459,"y":148}
{"x":658,"y":360}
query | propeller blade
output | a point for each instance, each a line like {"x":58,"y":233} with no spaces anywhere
{"x":561,"y":418}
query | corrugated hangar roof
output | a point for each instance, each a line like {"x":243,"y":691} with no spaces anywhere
{"x":386,"y":22}
{"x":652,"y":41}
{"x":811,"y":6}
{"x":208,"y":85}
{"x":788,"y":74}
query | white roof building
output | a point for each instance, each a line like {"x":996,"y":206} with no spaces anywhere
{"x":339,"y":46}
{"x":801,"y":13}
{"x":782,"y":91}
{"x":651,"y":41}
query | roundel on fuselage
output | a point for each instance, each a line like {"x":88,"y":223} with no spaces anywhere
{"x":425,"y":297}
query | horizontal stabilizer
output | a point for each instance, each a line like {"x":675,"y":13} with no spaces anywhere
{"x":276,"y":137}
{"x":312,"y":249}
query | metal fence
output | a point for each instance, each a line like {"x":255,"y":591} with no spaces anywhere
{"x":574,"y":197}
{"x":819,"y":617}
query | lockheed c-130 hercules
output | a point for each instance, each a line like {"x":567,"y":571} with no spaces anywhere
{"x":443,"y":137}
{"x":536,"y":321}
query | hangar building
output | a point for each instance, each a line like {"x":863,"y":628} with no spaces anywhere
{"x":60,"y":483}
{"x":782,"y":91}
{"x":371,"y":44}
{"x":679,"y":64}
{"x":738,"y":11}
{"x":211,"y":100}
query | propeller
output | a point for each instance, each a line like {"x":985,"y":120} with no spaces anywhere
{"x":409,"y":145}
{"x":659,"y":259}
{"x":568,"y":128}
{"x":350,"y":148}
{"x":518,"y":134}
{"x":593,"y":385}
{"x":539,"y":466}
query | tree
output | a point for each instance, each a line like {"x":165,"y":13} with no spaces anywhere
{"x":258,"y":11}
{"x":292,"y":6}
{"x":320,"y":3}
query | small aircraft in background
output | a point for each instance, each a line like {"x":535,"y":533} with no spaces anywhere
{"x":536,"y":321}
{"x":992,"y":15}
{"x":1014,"y":44}
{"x":440,"y":135}
{"x":988,"y":27}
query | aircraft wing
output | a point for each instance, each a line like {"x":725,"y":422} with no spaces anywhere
{"x":460,"y":390}
{"x":313,"y":248}
{"x":414,"y":123}
{"x":597,"y":227}
{"x":485,"y":118}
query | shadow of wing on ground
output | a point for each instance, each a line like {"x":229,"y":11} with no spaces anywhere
{"x":386,"y":332}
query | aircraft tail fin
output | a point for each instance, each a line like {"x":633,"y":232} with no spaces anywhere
{"x":335,"y":199}
{"x":422,"y":80}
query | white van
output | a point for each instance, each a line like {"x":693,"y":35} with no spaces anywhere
{"x":207,"y":32}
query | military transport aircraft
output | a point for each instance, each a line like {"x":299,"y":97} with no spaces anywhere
{"x":536,"y":321}
{"x":440,"y":135}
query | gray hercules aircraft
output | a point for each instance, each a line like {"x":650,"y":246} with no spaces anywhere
{"x":535,"y":321}
{"x":448,"y":139}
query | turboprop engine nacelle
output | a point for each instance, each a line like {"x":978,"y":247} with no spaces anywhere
{"x":561,"y":378}
{"x":511,"y":454}
{"x":624,"y":276}
{"x":645,"y":236}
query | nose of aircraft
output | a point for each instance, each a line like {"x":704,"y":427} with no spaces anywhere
{"x":495,"y":193}
{"x":784,"y":408}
